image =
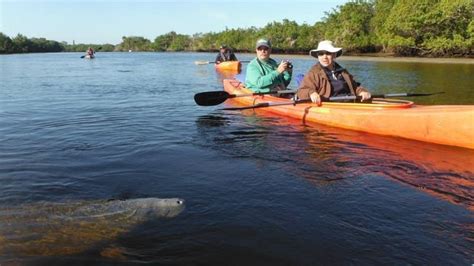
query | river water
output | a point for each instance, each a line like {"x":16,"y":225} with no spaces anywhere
{"x":259,"y":189}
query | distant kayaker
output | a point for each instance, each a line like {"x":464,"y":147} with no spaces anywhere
{"x":225,"y":54}
{"x":327,"y":78}
{"x":90,"y":52}
{"x":264,"y":74}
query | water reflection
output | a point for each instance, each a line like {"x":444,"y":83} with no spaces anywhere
{"x":226,"y":74}
{"x":248,"y":175}
{"x":322,"y":154}
{"x":212,"y":120}
{"x":442,"y":171}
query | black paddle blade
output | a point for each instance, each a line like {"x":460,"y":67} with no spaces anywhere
{"x":83,"y":56}
{"x":210,"y":98}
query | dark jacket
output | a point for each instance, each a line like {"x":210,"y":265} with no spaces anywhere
{"x":316,"y":80}
{"x":228,"y":55}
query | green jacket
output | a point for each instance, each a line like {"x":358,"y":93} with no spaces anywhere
{"x":263,"y":77}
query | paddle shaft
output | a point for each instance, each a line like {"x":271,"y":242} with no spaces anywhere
{"x":260,"y":93}
{"x":331,"y":99}
{"x":388,"y":95}
{"x":405,"y":94}
{"x":269,"y":104}
{"x":243,"y":61}
{"x":212,"y":62}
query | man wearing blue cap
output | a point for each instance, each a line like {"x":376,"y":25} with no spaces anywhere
{"x":264,"y":74}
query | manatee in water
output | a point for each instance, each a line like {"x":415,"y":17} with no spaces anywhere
{"x":45,"y":229}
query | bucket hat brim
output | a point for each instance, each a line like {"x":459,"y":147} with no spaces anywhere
{"x":326,"y":46}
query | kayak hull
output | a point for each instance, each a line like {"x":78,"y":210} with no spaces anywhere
{"x":229,"y":66}
{"x":442,"y":124}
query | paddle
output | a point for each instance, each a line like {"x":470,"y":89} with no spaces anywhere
{"x":209,"y":62}
{"x":331,"y":99}
{"x":210,"y":98}
{"x":402,"y":94}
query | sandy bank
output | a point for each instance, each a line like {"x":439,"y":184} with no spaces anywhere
{"x":379,"y":58}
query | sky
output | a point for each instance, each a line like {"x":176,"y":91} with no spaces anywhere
{"x":106,"y":21}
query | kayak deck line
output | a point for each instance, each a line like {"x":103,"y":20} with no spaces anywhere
{"x":377,"y":103}
{"x":441,"y":124}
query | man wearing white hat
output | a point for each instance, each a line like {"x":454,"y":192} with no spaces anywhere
{"x":263,"y":73}
{"x":327,"y":78}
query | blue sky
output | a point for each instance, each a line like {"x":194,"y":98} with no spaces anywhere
{"x":106,"y":21}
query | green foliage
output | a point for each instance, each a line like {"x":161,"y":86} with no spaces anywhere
{"x":83,"y":47}
{"x":39,"y":45}
{"x":172,"y":42}
{"x":105,"y":48}
{"x":284,"y":35}
{"x":6,"y":44}
{"x":402,"y":27}
{"x":134,"y":43}
{"x":470,"y":30}
{"x":456,"y":46}
{"x":425,"y":27}
{"x":21,"y":44}
{"x":350,"y":26}
{"x":308,"y":38}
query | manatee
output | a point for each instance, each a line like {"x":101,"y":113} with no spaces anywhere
{"x":46,"y":229}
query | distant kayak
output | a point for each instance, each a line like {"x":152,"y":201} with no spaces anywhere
{"x":229,"y":65}
{"x":441,"y":124}
{"x":88,"y":56}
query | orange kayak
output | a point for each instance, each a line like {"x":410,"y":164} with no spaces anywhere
{"x":229,"y":65}
{"x":442,"y":124}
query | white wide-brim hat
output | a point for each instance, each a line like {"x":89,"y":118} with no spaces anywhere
{"x":326,"y":46}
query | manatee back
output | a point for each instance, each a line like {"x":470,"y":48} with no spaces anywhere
{"x":148,"y":208}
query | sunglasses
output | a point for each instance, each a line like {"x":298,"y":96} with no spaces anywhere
{"x":263,"y":48}
{"x":324,"y":53}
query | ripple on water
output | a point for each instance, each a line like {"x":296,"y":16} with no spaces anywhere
{"x":126,"y":126}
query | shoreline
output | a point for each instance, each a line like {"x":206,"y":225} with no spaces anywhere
{"x":384,"y":58}
{"x":410,"y":59}
{"x":351,"y":57}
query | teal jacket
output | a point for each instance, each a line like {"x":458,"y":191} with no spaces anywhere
{"x":263,"y":76}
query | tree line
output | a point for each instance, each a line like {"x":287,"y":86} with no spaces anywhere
{"x":399,"y":27}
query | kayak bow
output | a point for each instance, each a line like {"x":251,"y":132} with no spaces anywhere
{"x":229,"y":65}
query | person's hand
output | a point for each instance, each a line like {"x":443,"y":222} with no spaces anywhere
{"x":315,"y":98}
{"x":365,"y":96}
{"x":282,"y":66}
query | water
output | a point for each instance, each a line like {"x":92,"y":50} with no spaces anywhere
{"x":259,"y":189}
